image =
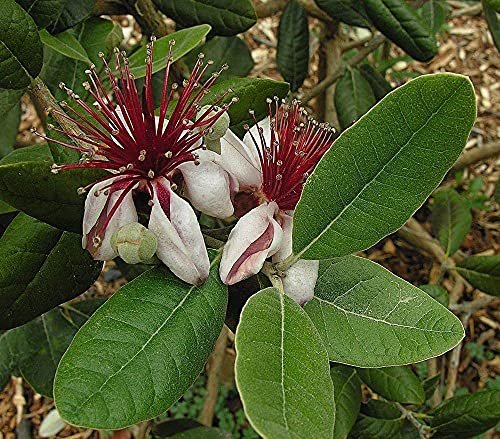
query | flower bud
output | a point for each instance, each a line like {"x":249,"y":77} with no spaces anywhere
{"x":134,"y":243}
{"x":219,"y":128}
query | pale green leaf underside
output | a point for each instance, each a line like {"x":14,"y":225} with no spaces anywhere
{"x":282,"y":370}
{"x":368,"y":317}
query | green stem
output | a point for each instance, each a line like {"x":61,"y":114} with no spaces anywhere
{"x":270,"y":271}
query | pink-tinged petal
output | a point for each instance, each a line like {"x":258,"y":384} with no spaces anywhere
{"x":300,"y":280}
{"x":208,"y":187}
{"x":255,"y":237}
{"x":97,"y":209}
{"x":180,"y":242}
{"x":241,"y":161}
{"x":285,"y":250}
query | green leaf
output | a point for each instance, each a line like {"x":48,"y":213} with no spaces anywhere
{"x":348,"y":11}
{"x":451,"y":219}
{"x":185,"y":41}
{"x":21,"y":55}
{"x":483,"y":272}
{"x":492,"y":18}
{"x":41,"y":267}
{"x":282,"y":371}
{"x":252,"y":93}
{"x":381,"y":170}
{"x":430,"y":385}
{"x":36,"y":347}
{"x":70,"y":13}
{"x":292,"y":56}
{"x":466,"y":416}
{"x":203,"y":433}
{"x":353,"y":97}
{"x":368,"y":317}
{"x":225,"y":18}
{"x":5,"y":208}
{"x":66,"y":44}
{"x":437,"y":293}
{"x":434,"y":14}
{"x":398,"y":384}
{"x":222,"y":50}
{"x":347,"y":395}
{"x":42,"y":11}
{"x":378,"y":83}
{"x":400,"y":24}
{"x":10,"y":115}
{"x":494,"y":4}
{"x":140,"y":351}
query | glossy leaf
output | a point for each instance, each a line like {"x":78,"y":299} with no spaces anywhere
{"x":41,"y":267}
{"x":493,"y":20}
{"x":70,"y":13}
{"x":399,"y":23}
{"x":466,"y":416}
{"x":292,"y":56}
{"x":437,"y":292}
{"x":21,"y":55}
{"x":451,"y":219}
{"x":482,"y":272}
{"x":225,"y":18}
{"x":10,"y":115}
{"x":380,"y":86}
{"x":185,"y":41}
{"x":347,"y":395}
{"x":368,"y":317}
{"x":381,"y":170}
{"x":434,"y":14}
{"x":348,"y":11}
{"x":398,"y":384}
{"x":140,"y":351}
{"x":66,"y":44}
{"x":353,"y":97}
{"x":282,"y":371}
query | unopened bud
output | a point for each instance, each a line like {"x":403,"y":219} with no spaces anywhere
{"x":134,"y":243}
{"x":221,"y":125}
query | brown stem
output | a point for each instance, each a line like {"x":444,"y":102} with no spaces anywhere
{"x":356,"y":44}
{"x":477,"y":154}
{"x":314,"y":11}
{"x":263,"y":10}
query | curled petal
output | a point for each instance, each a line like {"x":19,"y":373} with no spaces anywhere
{"x":255,"y":237}
{"x":180,"y":242}
{"x":99,"y":205}
{"x":285,"y":250}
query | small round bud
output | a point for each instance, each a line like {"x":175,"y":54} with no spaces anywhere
{"x":134,"y":243}
{"x":219,"y":128}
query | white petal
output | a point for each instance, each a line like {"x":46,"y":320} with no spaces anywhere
{"x":265,"y":125}
{"x":180,"y":242}
{"x":208,"y":187}
{"x":300,"y":280}
{"x":255,"y":237}
{"x":286,"y":244}
{"x":96,"y":210}
{"x":240,"y":161}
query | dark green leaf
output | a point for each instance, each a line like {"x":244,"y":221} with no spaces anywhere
{"x":292,"y":56}
{"x":347,"y":395}
{"x":368,"y":317}
{"x":495,"y":4}
{"x":66,"y":44}
{"x":399,"y":22}
{"x":482,"y":272}
{"x":430,"y":385}
{"x":353,"y":97}
{"x":492,"y":18}
{"x":42,"y":11}
{"x":451,"y":219}
{"x":203,"y":433}
{"x":10,"y":115}
{"x":379,"y":409}
{"x":5,"y":208}
{"x":437,"y":292}
{"x":497,"y":192}
{"x":222,"y":50}
{"x":398,"y":384}
{"x":348,"y":11}
{"x":252,"y":93}
{"x":282,"y":371}
{"x":20,"y":47}
{"x":466,"y":416}
{"x":381,"y":170}
{"x":378,"y":83}
{"x":140,"y":351}
{"x":70,"y":13}
{"x":225,"y":18}
{"x":41,"y":267}
{"x":434,"y":14}
{"x":185,"y":41}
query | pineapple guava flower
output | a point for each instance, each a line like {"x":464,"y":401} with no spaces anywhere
{"x":144,"y":153}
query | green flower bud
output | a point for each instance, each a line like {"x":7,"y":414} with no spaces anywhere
{"x":134,"y":243}
{"x":219,"y":128}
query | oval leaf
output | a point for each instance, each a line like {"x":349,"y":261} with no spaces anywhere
{"x":292,"y":54}
{"x":398,"y":384}
{"x":437,"y":293}
{"x":282,"y":370}
{"x":225,"y":18}
{"x":21,"y":56}
{"x":66,"y":44}
{"x":10,"y":115}
{"x":348,"y":11}
{"x":493,"y":19}
{"x":368,"y":317}
{"x":482,"y":272}
{"x":381,"y":170}
{"x":140,"y":351}
{"x":402,"y":26}
{"x":378,"y":83}
{"x":347,"y":395}
{"x":185,"y":41}
{"x":434,"y":14}
{"x":68,"y":13}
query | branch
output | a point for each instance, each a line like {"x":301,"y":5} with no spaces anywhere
{"x":314,"y":11}
{"x":423,"y":430}
{"x":477,"y":154}
{"x":263,"y":10}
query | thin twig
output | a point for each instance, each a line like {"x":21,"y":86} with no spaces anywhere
{"x":472,"y":306}
{"x":356,"y":44}
{"x":476,"y":155}
{"x":423,"y":430}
